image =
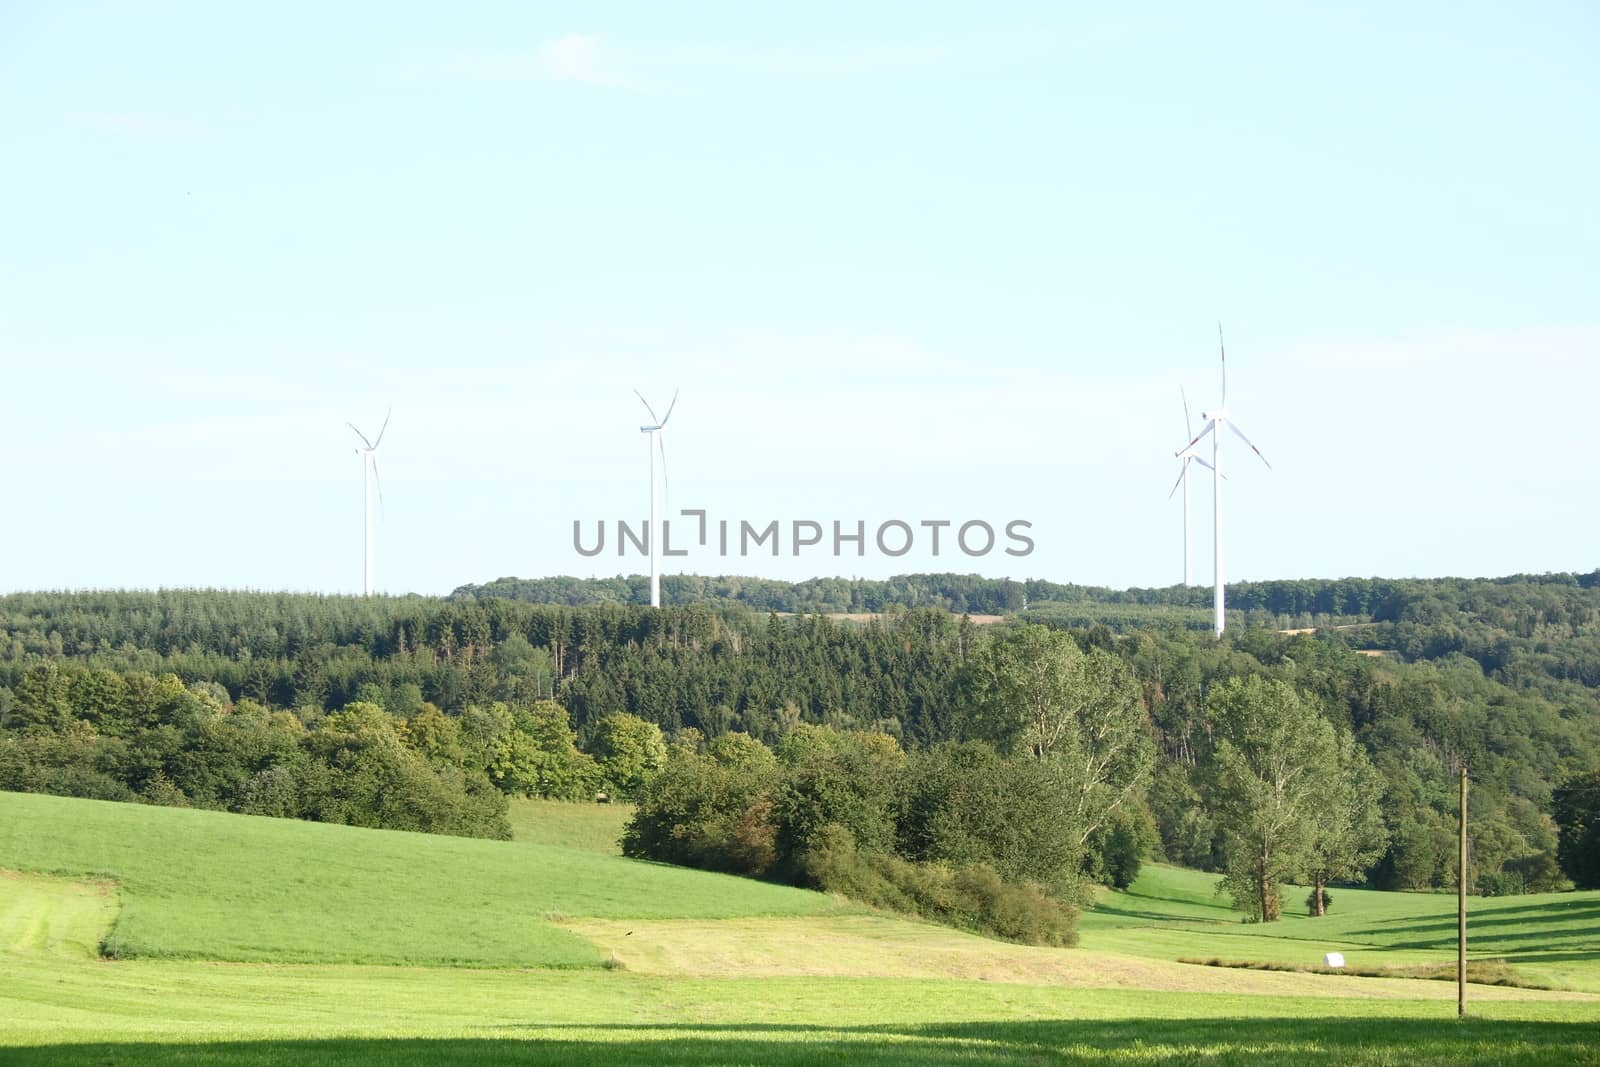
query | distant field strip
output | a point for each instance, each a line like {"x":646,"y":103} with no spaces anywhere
{"x":884,"y":947}
{"x":592,"y":827}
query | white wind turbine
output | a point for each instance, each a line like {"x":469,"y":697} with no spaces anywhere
{"x":658,"y":440}
{"x":369,"y":475}
{"x":1188,"y":455}
{"x":1214,"y":421}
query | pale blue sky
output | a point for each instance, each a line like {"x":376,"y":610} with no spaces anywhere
{"x":905,"y":261}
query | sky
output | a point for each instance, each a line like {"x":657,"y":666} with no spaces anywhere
{"x":908,"y":262}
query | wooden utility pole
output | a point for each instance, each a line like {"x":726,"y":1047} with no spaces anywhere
{"x":1461,"y":907}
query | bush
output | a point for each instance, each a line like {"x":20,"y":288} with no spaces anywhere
{"x":1242,"y":887}
{"x":1120,"y":858}
{"x":162,"y":792}
{"x":77,"y":764}
{"x":1117,"y":849}
{"x":973,"y":897}
{"x":363,"y":775}
{"x":1540,"y":873}
{"x":1506,"y":883}
{"x":699,"y":812}
{"x":964,"y":804}
{"x":271,"y":791}
{"x":1311,"y":901}
{"x":833,"y":776}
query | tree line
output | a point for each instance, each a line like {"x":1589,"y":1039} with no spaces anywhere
{"x":1515,"y":602}
{"x":90,"y":732}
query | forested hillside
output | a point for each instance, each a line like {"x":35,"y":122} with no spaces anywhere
{"x":314,"y":706}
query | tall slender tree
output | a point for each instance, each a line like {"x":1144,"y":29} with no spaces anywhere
{"x":1274,"y":761}
{"x":1347,"y":831}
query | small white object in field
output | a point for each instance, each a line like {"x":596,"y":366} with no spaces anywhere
{"x":1333,"y":959}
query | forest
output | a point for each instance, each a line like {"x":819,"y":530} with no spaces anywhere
{"x":424,"y":713}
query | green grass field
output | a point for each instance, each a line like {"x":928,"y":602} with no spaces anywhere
{"x":592,"y":827}
{"x":258,"y":941}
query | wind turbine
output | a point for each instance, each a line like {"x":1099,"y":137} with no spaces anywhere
{"x":1215,"y":420}
{"x":369,"y":475}
{"x":1188,"y":455}
{"x":658,"y":440}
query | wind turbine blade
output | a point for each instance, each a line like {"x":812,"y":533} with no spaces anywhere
{"x":360,"y":434}
{"x":1223,"y":350}
{"x":1188,"y":426}
{"x":1182,"y":474}
{"x":1197,"y":438}
{"x":647,"y":407}
{"x":1203,"y":463}
{"x":1246,"y":440}
{"x":671,"y":406}
{"x":378,"y":481}
{"x":381,"y":429}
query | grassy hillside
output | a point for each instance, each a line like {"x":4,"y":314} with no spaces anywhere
{"x":716,"y":969}
{"x":208,"y":885}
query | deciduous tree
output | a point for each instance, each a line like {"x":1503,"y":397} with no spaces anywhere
{"x":1347,"y":831}
{"x":1577,"y":812}
{"x":1275,"y":759}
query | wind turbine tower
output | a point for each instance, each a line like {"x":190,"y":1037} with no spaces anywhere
{"x":369,"y":477}
{"x":1215,"y":420}
{"x":657,"y":431}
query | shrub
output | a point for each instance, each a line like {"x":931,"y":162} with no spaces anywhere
{"x":1121,"y":857}
{"x":752,"y":843}
{"x":962,"y":804}
{"x":832,"y":776}
{"x":1311,"y":901}
{"x":974,"y":896}
{"x":271,"y":791}
{"x":1540,"y":873}
{"x":1507,"y":883}
{"x":1117,"y":849}
{"x":161,"y":791}
{"x":701,"y":813}
{"x":76,"y":764}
